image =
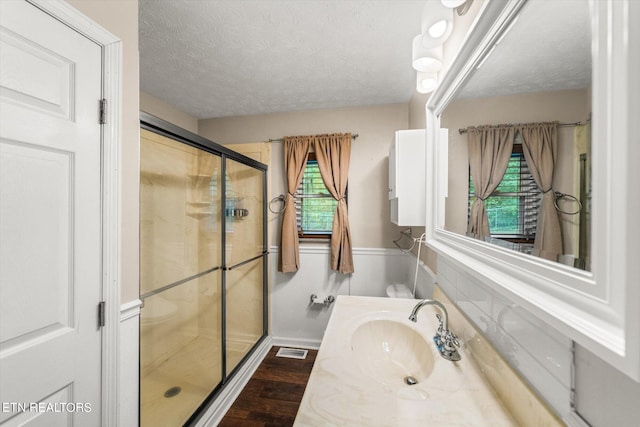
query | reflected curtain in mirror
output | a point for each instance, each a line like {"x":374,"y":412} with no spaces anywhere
{"x":540,"y":146}
{"x":334,"y":153}
{"x":489,"y":153}
{"x":296,"y":152}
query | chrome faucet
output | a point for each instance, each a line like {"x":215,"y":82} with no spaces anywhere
{"x":445,"y":340}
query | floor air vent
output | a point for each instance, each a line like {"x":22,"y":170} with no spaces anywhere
{"x":292,"y":353}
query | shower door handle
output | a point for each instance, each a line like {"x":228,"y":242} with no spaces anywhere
{"x":246,"y":261}
{"x":178,"y":283}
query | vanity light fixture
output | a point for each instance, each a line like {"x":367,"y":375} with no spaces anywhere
{"x":426,"y":82}
{"x":438,"y":29}
{"x":452,"y":4}
{"x":461,"y":6}
{"x":437,"y":24}
{"x":426,"y":60}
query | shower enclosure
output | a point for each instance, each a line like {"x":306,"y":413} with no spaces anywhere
{"x":202,"y":269}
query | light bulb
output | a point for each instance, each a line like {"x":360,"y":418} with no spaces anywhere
{"x":426,"y":82}
{"x":437,"y":24}
{"x":453,"y":3}
{"x":425,"y":59}
{"x":438,"y":29}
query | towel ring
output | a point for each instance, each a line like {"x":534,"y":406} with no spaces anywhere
{"x":279,"y":198}
{"x":559,"y":196}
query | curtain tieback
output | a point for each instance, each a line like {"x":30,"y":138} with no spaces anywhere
{"x":480,"y":198}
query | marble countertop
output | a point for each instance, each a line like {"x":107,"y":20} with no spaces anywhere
{"x":345,"y":390}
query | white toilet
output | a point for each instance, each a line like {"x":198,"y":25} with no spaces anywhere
{"x":399,"y":290}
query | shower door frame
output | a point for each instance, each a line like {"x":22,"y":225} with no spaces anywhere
{"x":161,"y":127}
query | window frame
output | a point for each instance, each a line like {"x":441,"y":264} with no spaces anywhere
{"x":299,"y":195}
{"x":520,"y":237}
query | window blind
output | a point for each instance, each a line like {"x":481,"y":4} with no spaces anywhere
{"x":512,"y":209}
{"x":315,"y":207}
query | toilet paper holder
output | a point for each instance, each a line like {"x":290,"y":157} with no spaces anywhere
{"x":315,"y":299}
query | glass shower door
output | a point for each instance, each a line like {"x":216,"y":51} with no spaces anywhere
{"x":245,"y":255}
{"x":180,"y":279}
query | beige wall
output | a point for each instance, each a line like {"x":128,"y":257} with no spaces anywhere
{"x":154,"y":106}
{"x":564,"y":106}
{"x":121,"y":19}
{"x":417,"y":112}
{"x":368,"y":175}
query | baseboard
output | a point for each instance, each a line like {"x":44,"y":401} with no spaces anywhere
{"x":213,"y":416}
{"x":129,"y":347}
{"x":296,"y":343}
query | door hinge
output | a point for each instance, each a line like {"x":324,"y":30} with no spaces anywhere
{"x":103,"y":111}
{"x":101,"y":314}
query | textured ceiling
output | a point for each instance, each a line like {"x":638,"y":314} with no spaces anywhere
{"x":227,"y":58}
{"x":216,"y":58}
{"x":549,"y":48}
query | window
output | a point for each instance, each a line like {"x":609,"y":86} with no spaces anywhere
{"x":513,"y":207}
{"x":315,"y":206}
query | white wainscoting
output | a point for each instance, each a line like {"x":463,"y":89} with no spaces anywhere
{"x":294,"y":321}
{"x":128,"y":384}
{"x":542,"y":355}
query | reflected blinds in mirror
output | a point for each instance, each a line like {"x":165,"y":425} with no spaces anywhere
{"x":512,"y":209}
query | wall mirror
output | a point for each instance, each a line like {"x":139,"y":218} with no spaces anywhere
{"x":535,"y":61}
{"x":522,"y":81}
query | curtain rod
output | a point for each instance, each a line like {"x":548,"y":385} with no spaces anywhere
{"x":353,"y":136}
{"x":559,"y":125}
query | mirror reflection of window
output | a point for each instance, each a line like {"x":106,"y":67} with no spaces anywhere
{"x":513,"y":207}
{"x":540,"y":71}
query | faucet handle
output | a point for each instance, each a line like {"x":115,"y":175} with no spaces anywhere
{"x":449,"y":344}
{"x":451,"y":340}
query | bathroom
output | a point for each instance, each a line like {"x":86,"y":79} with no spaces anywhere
{"x":295,"y":323}
{"x":592,"y":387}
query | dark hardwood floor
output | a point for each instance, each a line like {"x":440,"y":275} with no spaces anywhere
{"x":273,"y":394}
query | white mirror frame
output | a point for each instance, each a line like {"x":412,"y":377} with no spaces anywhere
{"x":599,"y":310}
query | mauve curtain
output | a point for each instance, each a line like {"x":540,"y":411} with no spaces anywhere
{"x":539,"y":143}
{"x":296,"y":152}
{"x":489,"y":153}
{"x":333,"y":153}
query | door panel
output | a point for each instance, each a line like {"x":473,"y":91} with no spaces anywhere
{"x":243,"y":212}
{"x":180,"y":278}
{"x":36,"y":77}
{"x":179,"y":211}
{"x":36,"y":310}
{"x":244,"y":310}
{"x":50,"y":210}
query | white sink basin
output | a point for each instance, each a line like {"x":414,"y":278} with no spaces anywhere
{"x":368,"y":350}
{"x":389,"y":351}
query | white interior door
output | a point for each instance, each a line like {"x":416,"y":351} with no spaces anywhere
{"x":50,"y":221}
